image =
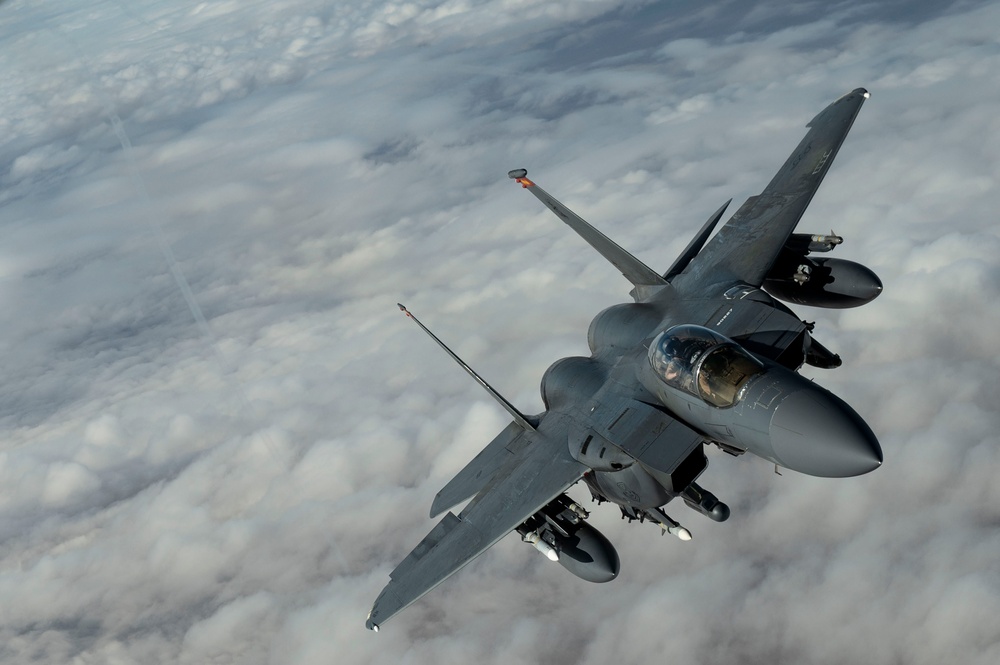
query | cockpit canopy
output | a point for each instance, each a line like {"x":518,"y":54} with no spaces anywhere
{"x":703,"y":362}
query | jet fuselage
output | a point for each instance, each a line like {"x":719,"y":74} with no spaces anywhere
{"x":775,"y":414}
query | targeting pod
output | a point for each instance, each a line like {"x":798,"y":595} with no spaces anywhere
{"x":705,"y":502}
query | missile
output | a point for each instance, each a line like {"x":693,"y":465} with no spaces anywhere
{"x":806,"y":243}
{"x":667,"y":524}
{"x":824,"y":243}
{"x":536,"y":541}
{"x":802,"y":274}
{"x":680,"y":532}
{"x":580,"y":512}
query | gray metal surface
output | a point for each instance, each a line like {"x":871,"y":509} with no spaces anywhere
{"x":745,"y":248}
{"x":632,"y":268}
{"x":634,"y":429}
{"x":533,"y":477}
{"x":480,"y":471}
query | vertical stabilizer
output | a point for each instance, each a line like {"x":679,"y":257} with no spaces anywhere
{"x":519,"y":417}
{"x":696,"y":243}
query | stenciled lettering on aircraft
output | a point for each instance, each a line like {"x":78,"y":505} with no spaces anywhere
{"x":822,"y":161}
{"x":724,"y":317}
{"x":802,"y":155}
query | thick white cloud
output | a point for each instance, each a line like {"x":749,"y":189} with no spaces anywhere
{"x":172,"y":495}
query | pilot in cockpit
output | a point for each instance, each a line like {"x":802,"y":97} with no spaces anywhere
{"x":702,"y":362}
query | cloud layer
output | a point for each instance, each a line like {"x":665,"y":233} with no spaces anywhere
{"x":239,"y":493}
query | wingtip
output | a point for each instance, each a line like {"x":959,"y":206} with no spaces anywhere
{"x":520,"y":176}
{"x":855,"y":98}
{"x":436,"y":508}
{"x":369,"y":624}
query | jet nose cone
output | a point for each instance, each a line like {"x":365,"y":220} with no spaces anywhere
{"x":815,"y":432}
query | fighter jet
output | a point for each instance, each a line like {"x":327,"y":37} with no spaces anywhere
{"x":706,"y":355}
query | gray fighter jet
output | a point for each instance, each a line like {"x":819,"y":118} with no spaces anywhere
{"x":706,"y":355}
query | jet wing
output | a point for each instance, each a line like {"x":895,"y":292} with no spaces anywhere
{"x":530,"y":479}
{"x":747,"y":246}
{"x":481,"y":469}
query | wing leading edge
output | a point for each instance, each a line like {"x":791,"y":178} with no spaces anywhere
{"x":746,"y":247}
{"x":530,"y":479}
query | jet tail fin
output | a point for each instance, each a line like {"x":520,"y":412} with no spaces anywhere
{"x":632,"y":268}
{"x":519,"y":417}
{"x":696,"y":243}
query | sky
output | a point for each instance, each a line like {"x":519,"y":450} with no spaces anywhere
{"x":218,"y":434}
